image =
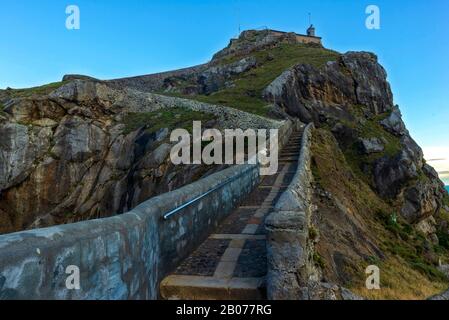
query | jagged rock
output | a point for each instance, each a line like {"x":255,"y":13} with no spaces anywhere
{"x":19,"y":147}
{"x":77,"y":140}
{"x":424,"y":198}
{"x":329,"y":291}
{"x":216,"y":77}
{"x":210,"y":80}
{"x":349,"y":295}
{"x":442,"y":296}
{"x":356,"y":79}
{"x":70,"y":77}
{"x":313,"y":94}
{"x":394,"y":123}
{"x":391,"y":174}
{"x":32,"y":109}
{"x":444,"y":269}
{"x":371,"y":145}
{"x":421,"y":201}
{"x":323,"y":291}
{"x":157,"y":157}
{"x":344,"y":134}
{"x":372,"y":91}
{"x":427,"y":226}
{"x":251,"y":40}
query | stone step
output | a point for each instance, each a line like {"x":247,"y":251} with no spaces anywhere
{"x":288,"y":154}
{"x":287,"y":160}
{"x":231,"y":263}
{"x":179,"y":287}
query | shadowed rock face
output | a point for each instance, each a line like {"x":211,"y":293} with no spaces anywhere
{"x":327,"y":97}
{"x":65,"y":157}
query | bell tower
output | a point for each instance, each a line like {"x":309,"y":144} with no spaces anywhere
{"x":311,"y":31}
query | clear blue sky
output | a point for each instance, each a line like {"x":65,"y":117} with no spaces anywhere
{"x":123,"y":38}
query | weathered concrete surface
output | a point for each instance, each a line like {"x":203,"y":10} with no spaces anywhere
{"x":122,"y":257}
{"x":289,"y":265}
{"x":230,"y":264}
{"x":207,"y":288}
{"x":292,"y":274}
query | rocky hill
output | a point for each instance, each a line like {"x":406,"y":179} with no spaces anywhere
{"x":85,"y":148}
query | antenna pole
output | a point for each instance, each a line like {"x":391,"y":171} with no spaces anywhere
{"x":310,"y":18}
{"x":238,"y":18}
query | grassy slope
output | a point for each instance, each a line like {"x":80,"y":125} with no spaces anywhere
{"x":41,"y":90}
{"x":406,"y":273}
{"x":170,"y":118}
{"x":246,"y":95}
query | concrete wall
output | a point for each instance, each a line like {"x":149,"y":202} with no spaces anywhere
{"x":307,"y":39}
{"x":299,"y":37}
{"x":126,"y":256}
{"x":227,"y":117}
{"x":123,"y":257}
{"x":155,"y":82}
{"x":290,"y":265}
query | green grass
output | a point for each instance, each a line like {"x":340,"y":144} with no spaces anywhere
{"x":168,"y":118}
{"x":408,"y":244}
{"x":41,"y":90}
{"x":319,"y":261}
{"x":246,"y":94}
{"x":443,"y":238}
{"x":402,"y":245}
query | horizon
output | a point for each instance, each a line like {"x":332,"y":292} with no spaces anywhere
{"x":117,"y":40}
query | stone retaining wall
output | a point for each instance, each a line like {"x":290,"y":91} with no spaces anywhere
{"x":228,"y":118}
{"x":290,"y":265}
{"x":155,"y":82}
{"x":126,"y":256}
{"x":123,"y":257}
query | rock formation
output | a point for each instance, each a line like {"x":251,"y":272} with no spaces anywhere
{"x":67,"y":156}
{"x":69,"y":152}
{"x":329,"y":97}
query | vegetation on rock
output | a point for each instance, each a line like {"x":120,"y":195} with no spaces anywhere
{"x":40,"y":90}
{"x":175,"y":118}
{"x":358,"y":228}
{"x":245,"y":91}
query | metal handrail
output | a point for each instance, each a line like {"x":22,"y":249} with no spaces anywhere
{"x":177,"y":210}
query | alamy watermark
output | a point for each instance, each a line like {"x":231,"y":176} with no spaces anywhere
{"x":373,"y":280}
{"x":72,"y":282}
{"x":235,"y":147}
{"x":73,"y":20}
{"x":372,"y":22}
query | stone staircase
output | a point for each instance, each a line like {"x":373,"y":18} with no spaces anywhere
{"x":232,"y":263}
